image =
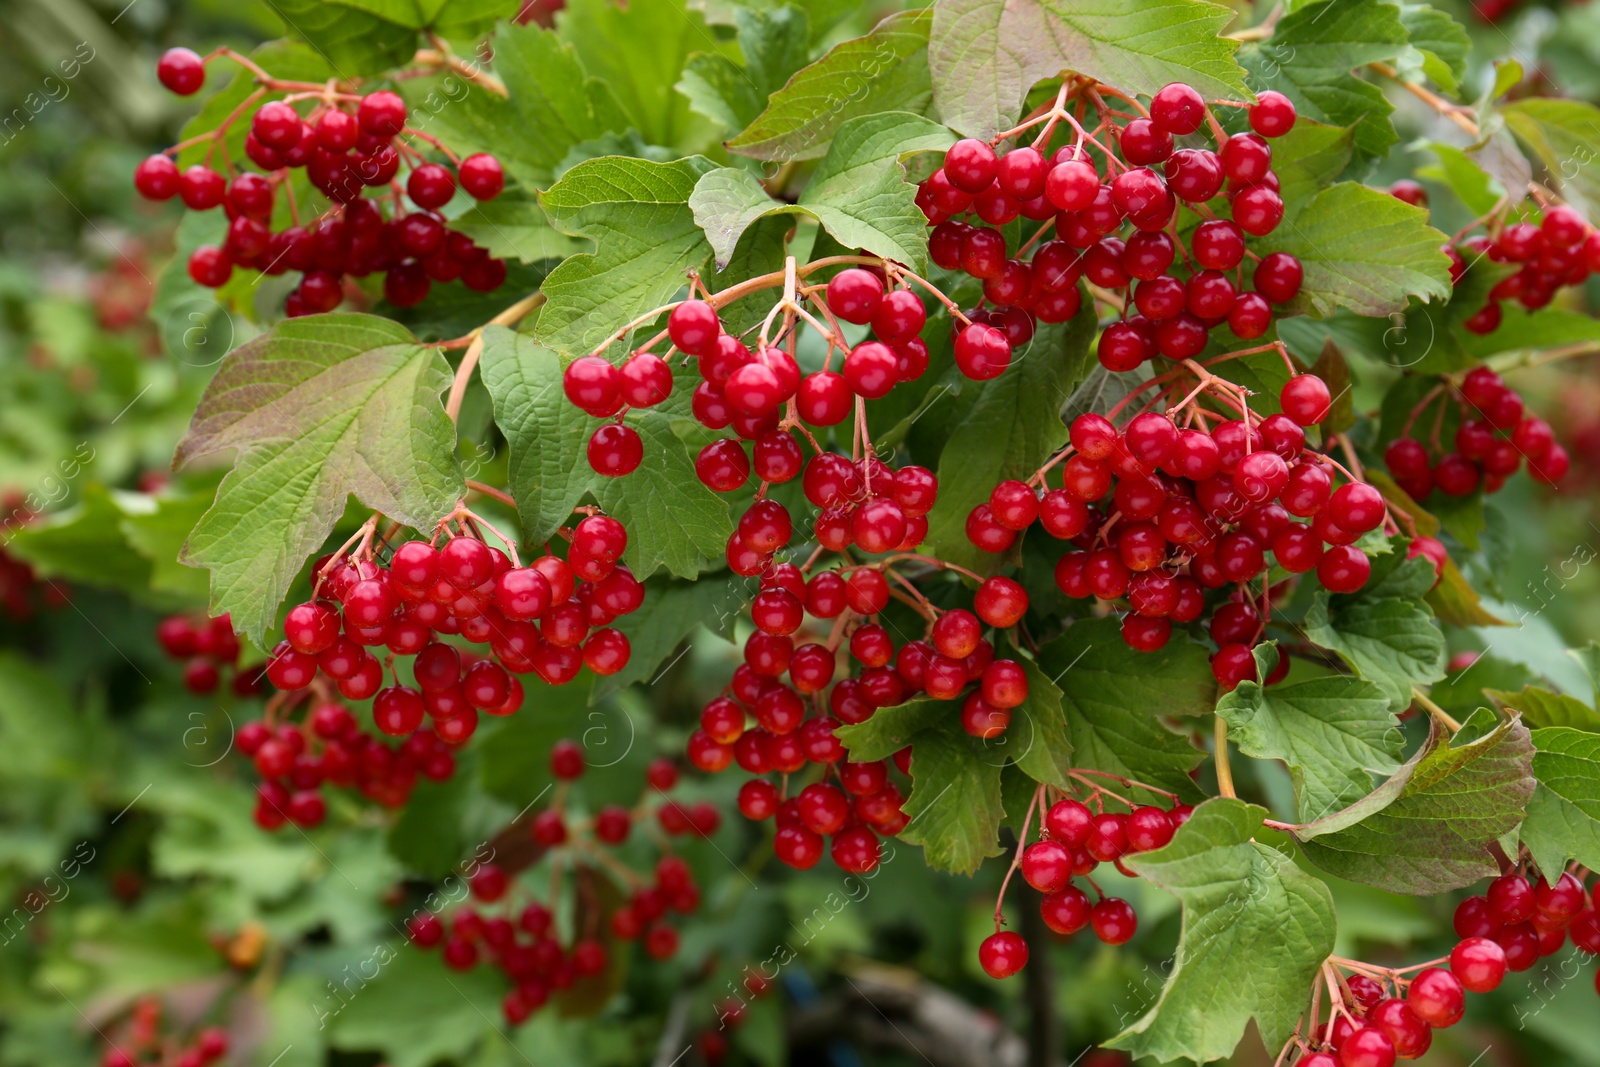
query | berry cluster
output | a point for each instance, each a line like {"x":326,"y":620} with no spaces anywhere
{"x":551,"y":617}
{"x":1076,"y":839}
{"x":1159,"y":515}
{"x":1530,"y":920}
{"x":1561,"y":250}
{"x":1379,"y":1015}
{"x":1112,"y":218}
{"x":769,"y":727}
{"x":748,"y":390}
{"x":331,"y":749}
{"x":519,"y":935}
{"x":347,"y":144}
{"x":1496,"y":434}
{"x":138,"y":1041}
{"x":207,"y":648}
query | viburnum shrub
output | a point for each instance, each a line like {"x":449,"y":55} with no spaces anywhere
{"x":1039,"y":481}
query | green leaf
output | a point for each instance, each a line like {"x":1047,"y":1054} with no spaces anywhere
{"x":1588,"y":657}
{"x":1454,"y":600}
{"x":886,"y":70}
{"x":1563,"y":820}
{"x":158,"y":534}
{"x":1521,"y":330}
{"x":1006,"y":428}
{"x":1465,"y":177}
{"x":1392,"y":640}
{"x":515,"y":761}
{"x":549,"y":468}
{"x":891,"y":729}
{"x":1362,"y":250}
{"x":774,"y":45}
{"x":1565,"y":135}
{"x":673,"y":520}
{"x":85,"y":543}
{"x":1540,"y":708}
{"x":354,"y":39}
{"x":320,"y":408}
{"x":551,"y":102}
{"x":726,"y":202}
{"x":986,"y":54}
{"x":1442,"y":40}
{"x":671,"y":613}
{"x":1307,"y":160}
{"x":859,"y":192}
{"x":427,"y":837}
{"x":637,"y":212}
{"x":1112,"y":696}
{"x":1309,"y":59}
{"x":1256,"y":929}
{"x":638,"y":51}
{"x":1038,"y":729}
{"x":1333,"y":733}
{"x":513,"y":226}
{"x":954,"y":806}
{"x":1429,"y":828}
{"x":417,"y":1012}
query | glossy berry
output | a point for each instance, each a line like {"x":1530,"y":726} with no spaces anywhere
{"x":1178,"y":109}
{"x":1272,"y":115}
{"x":181,"y":71}
{"x":1114,"y":921}
{"x":1479,"y":964}
{"x":970,"y":165}
{"x":1003,"y":954}
{"x":1305,"y":399}
{"x":482,"y":176}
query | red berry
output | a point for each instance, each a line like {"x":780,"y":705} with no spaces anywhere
{"x":1272,"y":115}
{"x":1305,"y":399}
{"x":482,"y":176}
{"x":970,"y":165}
{"x":854,"y":295}
{"x":382,"y":114}
{"x":1113,"y":920}
{"x":1178,"y":109}
{"x":181,"y":71}
{"x":1003,"y":953}
{"x":1479,"y":964}
{"x":156,"y":178}
{"x":1437,"y":998}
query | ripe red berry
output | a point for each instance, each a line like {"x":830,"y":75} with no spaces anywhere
{"x":1436,"y":997}
{"x":982,"y":352}
{"x":1114,"y":921}
{"x":181,"y":70}
{"x":382,"y":114}
{"x":156,"y":178}
{"x":970,"y":165}
{"x":482,"y":176}
{"x":615,"y":450}
{"x":854,"y":295}
{"x":1003,"y":954}
{"x":1479,"y":964}
{"x":1178,"y":109}
{"x":1305,"y":399}
{"x":1272,"y":115}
